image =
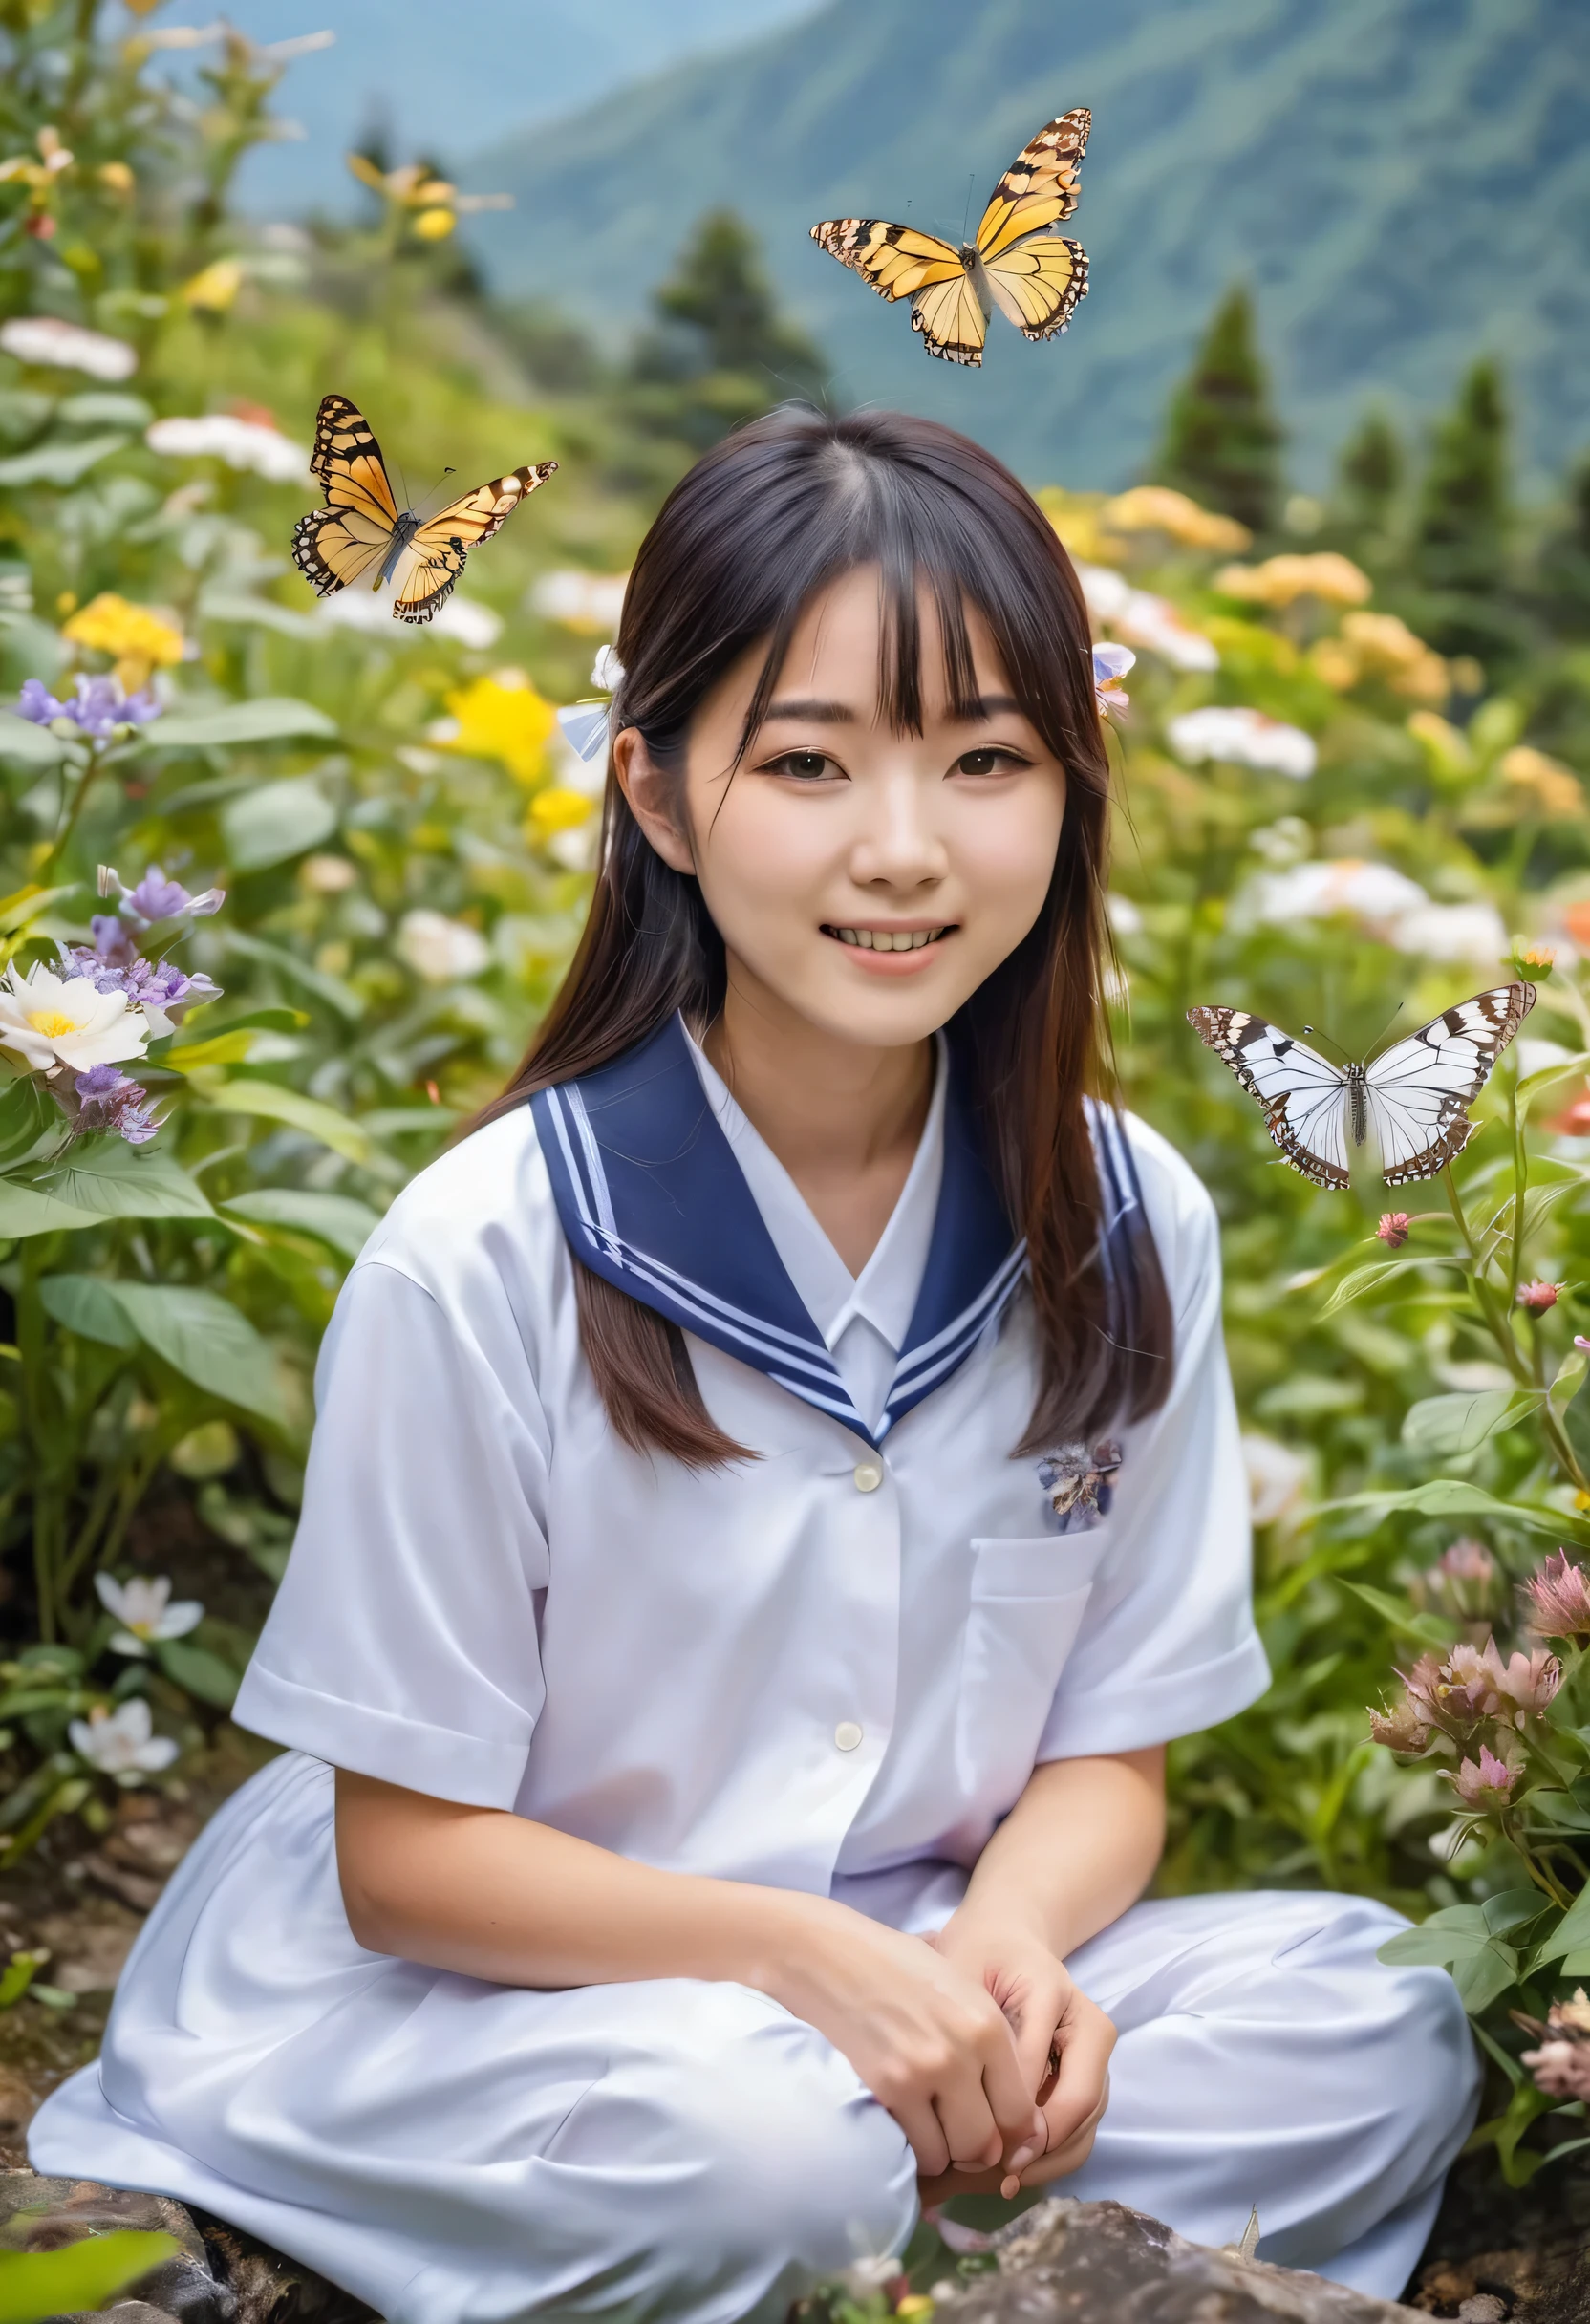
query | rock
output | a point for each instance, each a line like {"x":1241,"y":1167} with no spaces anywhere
{"x":1549,"y":2285}
{"x":1067,"y":2262}
{"x":218,"y":2276}
{"x":89,"y":1945}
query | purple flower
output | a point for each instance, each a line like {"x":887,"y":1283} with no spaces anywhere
{"x":108,"y":1099}
{"x":38,"y":704}
{"x":160,"y":988}
{"x":157,"y":898}
{"x":96,"y":706}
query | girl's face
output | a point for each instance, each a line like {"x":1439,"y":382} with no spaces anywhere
{"x":865,"y":880}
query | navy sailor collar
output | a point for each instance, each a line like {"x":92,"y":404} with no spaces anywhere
{"x":650,"y":1197}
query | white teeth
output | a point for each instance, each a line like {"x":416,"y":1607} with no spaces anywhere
{"x":883,"y":939}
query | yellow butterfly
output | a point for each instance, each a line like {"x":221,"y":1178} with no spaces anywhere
{"x":1013,"y":262}
{"x":361,"y":525}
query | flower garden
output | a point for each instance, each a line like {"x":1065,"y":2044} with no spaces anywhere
{"x":284,"y":887}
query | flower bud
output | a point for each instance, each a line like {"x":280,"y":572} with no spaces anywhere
{"x":1530,"y":960}
{"x":1393,"y":1228}
{"x":1539,"y":1296}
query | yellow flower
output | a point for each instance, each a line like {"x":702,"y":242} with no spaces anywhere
{"x":116,"y":175}
{"x":1551,"y":787}
{"x":140,"y":638}
{"x":502,"y":717}
{"x":557,"y":809}
{"x":1283,"y":580}
{"x":1336,"y":663}
{"x":1075,"y":518}
{"x":1380,"y":646}
{"x":435,"y":226}
{"x":1157,"y":508}
{"x":212,"y":290}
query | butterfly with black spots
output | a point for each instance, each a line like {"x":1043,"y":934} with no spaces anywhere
{"x":362,"y":531}
{"x":1411,"y":1101}
{"x":1014,"y":262}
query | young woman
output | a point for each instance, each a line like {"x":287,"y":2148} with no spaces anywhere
{"x":776,"y":1492}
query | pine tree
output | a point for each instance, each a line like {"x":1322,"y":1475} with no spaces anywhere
{"x":1464,"y":519}
{"x":721,"y":352}
{"x":1370,"y":476}
{"x":1222,"y":439}
{"x":1564,"y":569}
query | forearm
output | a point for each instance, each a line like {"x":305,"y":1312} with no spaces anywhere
{"x":1079,"y":1846}
{"x":492,"y":1895}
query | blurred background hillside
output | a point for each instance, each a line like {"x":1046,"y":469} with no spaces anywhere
{"x":1315,"y":443}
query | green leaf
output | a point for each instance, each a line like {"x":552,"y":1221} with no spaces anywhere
{"x":86,"y":1304}
{"x":1569,"y":1380}
{"x":330,"y":989}
{"x":1375,"y":1272}
{"x":1428,"y":1629}
{"x":35,"y":2285}
{"x":1532,"y":1083}
{"x":275,"y":821}
{"x":258,"y":613}
{"x":274,"y":718}
{"x":1444,"y":1428}
{"x":27,"y":904}
{"x":209,"y":1340}
{"x":102,"y":1178}
{"x":1512,"y":1908}
{"x":273,"y":1103}
{"x":198,"y":1671}
{"x":100,"y":407}
{"x":228,"y":1048}
{"x":60,"y":463}
{"x":336,"y":1219}
{"x":24,"y":1211}
{"x":33,"y":745}
{"x":1571,"y":1933}
{"x":1459,"y":1940}
{"x":1445,"y":1496}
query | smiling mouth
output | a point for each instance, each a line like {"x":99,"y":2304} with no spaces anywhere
{"x":889,"y":939}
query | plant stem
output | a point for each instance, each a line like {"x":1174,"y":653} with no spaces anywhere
{"x":1501,"y":1330}
{"x":64,"y":837}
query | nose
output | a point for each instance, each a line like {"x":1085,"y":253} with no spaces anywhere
{"x":897,"y":844}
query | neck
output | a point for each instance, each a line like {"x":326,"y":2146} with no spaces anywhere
{"x":845,"y":1120}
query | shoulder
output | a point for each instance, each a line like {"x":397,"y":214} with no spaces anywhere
{"x":1181,"y":1214}
{"x":482,"y":1213}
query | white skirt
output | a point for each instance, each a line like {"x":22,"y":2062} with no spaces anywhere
{"x":463,"y":2153}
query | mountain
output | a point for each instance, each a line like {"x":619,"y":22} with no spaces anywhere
{"x":1404,"y":183}
{"x":447,"y":80}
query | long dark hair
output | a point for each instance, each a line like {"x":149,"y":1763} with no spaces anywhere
{"x":769,"y":517}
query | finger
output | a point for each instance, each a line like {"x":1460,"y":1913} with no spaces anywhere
{"x":1042,"y":2011}
{"x":973,"y":2139}
{"x":1085,"y":2042}
{"x":925,"y":2134}
{"x":1008,"y":2089}
{"x":1059,"y":2161}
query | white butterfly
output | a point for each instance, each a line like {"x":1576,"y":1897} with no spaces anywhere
{"x":1411,"y":1099}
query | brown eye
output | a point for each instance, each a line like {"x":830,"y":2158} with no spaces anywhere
{"x":805,"y":765}
{"x":985,"y":762}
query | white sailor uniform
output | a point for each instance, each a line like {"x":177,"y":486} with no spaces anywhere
{"x":832,"y":1668}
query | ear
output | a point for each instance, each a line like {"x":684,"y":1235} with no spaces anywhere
{"x":650,"y":795}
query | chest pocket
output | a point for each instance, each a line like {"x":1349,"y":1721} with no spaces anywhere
{"x":1027,"y":1600}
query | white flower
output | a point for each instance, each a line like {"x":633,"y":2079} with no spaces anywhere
{"x":44,"y":339}
{"x":1473,"y":934}
{"x":144,"y":1611}
{"x":242,"y":443}
{"x":1276,"y":1477}
{"x":473,"y":625}
{"x":328,"y":875}
{"x":1146,"y":620}
{"x":50,"y":1021}
{"x":441,"y":950}
{"x":1374,"y":894}
{"x":119,"y":1742}
{"x":1244,"y":738}
{"x":1125,"y":917}
{"x":580,"y":600}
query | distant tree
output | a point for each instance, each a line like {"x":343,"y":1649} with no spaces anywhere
{"x":1222,"y":439}
{"x":1370,"y":475}
{"x":721,"y":352}
{"x":1461,"y":535}
{"x":1564,"y":564}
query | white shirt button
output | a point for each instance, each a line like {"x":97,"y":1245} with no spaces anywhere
{"x":846,"y":1734}
{"x":868,"y":1477}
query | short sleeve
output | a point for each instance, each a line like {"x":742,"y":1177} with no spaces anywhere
{"x":402,"y":1642}
{"x":1167,"y":1644}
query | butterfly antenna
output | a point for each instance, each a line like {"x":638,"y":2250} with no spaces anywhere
{"x":1386,"y":1027}
{"x":1315,"y":1034}
{"x":966,"y":213}
{"x":438,"y":486}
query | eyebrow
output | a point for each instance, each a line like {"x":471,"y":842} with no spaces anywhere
{"x":840,"y":714}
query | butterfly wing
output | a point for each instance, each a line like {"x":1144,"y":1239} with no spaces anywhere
{"x":1418,"y":1089}
{"x":950,"y":319}
{"x":1037,"y":284}
{"x":1040,"y":188}
{"x":897,"y":260}
{"x":339,"y":543}
{"x":433,"y":559}
{"x":1303,"y":1095}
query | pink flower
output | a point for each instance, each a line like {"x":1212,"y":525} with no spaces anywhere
{"x":1487,"y":1785}
{"x":1560,"y":1598}
{"x":1531,"y":1681}
{"x":1393,"y":1228}
{"x":1581,"y":1343}
{"x":1401,"y":1728}
{"x":1562,"y":2065}
{"x":1462,"y":1582}
{"x":1472,"y":1683}
{"x":1539,"y":1296}
{"x":1425,"y":1687}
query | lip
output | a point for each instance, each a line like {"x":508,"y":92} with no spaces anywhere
{"x":892,"y":963}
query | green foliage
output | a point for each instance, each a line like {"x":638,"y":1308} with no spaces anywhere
{"x":1463,"y":531}
{"x":35,"y":2285}
{"x":721,"y":352}
{"x":1222,"y":441}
